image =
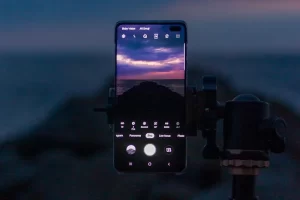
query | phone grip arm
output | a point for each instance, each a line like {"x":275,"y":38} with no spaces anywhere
{"x":212,"y":111}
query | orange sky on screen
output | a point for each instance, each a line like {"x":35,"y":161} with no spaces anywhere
{"x":176,"y":74}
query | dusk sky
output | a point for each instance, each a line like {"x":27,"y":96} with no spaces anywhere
{"x":213,"y":26}
{"x":148,"y":58}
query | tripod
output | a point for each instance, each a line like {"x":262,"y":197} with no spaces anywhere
{"x":249,"y":132}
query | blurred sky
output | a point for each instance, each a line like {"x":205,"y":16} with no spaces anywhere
{"x":214,"y":26}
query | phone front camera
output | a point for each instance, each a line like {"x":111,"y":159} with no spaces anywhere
{"x":175,"y":28}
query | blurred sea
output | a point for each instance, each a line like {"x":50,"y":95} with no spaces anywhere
{"x":32,"y":85}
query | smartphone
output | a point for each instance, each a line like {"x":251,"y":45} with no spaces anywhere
{"x":150,"y":84}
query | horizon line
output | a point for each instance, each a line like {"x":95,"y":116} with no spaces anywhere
{"x":111,"y":54}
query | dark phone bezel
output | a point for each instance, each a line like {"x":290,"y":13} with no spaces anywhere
{"x":153,"y":22}
{"x":150,"y":22}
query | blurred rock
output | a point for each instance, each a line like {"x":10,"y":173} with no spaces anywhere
{"x":62,"y":175}
{"x":72,"y":126}
{"x":15,"y":173}
{"x":199,"y":173}
{"x":173,"y":191}
{"x":71,"y":151}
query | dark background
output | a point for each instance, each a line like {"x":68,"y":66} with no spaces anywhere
{"x":57,"y":61}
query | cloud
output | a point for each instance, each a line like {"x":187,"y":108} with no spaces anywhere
{"x":159,"y":50}
{"x":222,"y":26}
{"x":125,"y":60}
{"x":58,"y":37}
{"x":14,"y":12}
{"x":211,"y":10}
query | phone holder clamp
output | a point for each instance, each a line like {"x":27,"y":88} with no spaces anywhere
{"x":109,"y":109}
{"x":250,"y":133}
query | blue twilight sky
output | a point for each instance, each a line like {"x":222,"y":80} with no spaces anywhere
{"x":213,"y":26}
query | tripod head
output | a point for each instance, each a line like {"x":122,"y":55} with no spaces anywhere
{"x":250,"y":133}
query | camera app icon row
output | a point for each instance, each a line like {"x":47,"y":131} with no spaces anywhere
{"x":149,"y":149}
{"x":134,"y":125}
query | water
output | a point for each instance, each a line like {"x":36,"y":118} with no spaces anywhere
{"x":274,"y":76}
{"x":31,"y":86}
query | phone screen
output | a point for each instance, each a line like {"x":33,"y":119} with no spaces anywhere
{"x":150,"y":89}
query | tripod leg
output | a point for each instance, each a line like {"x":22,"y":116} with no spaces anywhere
{"x":243,"y":187}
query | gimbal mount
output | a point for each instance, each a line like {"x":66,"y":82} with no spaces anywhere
{"x":249,"y":133}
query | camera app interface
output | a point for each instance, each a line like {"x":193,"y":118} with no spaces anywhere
{"x":150,"y":89}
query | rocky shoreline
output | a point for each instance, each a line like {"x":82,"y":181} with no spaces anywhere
{"x":69,"y":156}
